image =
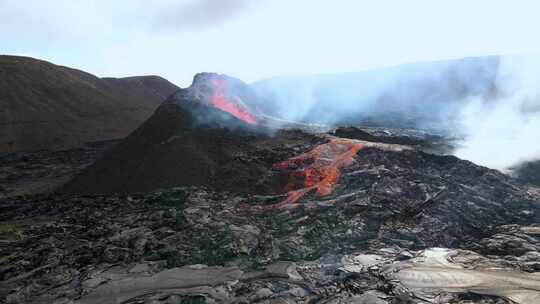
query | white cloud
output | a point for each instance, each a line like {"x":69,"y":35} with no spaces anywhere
{"x":49,"y":22}
{"x":256,"y":39}
{"x":185,"y":15}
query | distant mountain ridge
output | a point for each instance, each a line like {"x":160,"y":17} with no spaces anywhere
{"x":43,"y":105}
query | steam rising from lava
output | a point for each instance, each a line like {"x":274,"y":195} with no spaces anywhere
{"x":503,"y":131}
{"x":492,"y":103}
{"x":418,"y":95}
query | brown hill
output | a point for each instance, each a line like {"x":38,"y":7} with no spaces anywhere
{"x":43,"y":105}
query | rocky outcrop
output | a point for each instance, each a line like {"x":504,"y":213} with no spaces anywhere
{"x":528,"y":172}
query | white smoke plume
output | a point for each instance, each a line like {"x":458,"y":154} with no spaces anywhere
{"x":505,"y":130}
{"x":492,"y":103}
{"x":419,"y":95}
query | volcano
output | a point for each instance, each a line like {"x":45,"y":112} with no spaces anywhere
{"x":283,"y":217}
{"x":214,"y":133}
{"x":219,"y":100}
{"x":237,"y":206}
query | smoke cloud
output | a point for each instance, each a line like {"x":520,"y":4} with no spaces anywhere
{"x":427,"y":94}
{"x":77,"y":21}
{"x":503,"y":131}
{"x":491,"y":103}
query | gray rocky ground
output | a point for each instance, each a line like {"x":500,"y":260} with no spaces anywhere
{"x":401,"y":226}
{"x":27,"y":173}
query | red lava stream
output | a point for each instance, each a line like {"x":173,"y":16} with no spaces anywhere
{"x":236,"y":109}
{"x":316,"y":170}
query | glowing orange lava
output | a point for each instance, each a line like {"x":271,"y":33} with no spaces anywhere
{"x":318,"y":169}
{"x":219,"y":100}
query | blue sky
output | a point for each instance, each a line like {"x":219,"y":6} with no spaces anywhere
{"x":258,"y":39}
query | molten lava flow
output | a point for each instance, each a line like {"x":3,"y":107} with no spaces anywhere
{"x":219,"y":100}
{"x":318,"y":169}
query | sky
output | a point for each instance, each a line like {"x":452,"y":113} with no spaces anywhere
{"x":258,"y":39}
